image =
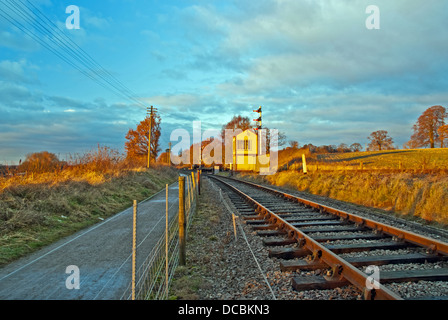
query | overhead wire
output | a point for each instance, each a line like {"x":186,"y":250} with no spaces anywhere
{"x":53,"y":39}
{"x":75,"y":54}
{"x":80,"y":52}
{"x":37,"y":39}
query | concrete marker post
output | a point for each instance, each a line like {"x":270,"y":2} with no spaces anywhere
{"x":305,"y":171}
{"x":234,"y":226}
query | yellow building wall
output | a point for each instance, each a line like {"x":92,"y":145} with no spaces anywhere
{"x":245,"y":151}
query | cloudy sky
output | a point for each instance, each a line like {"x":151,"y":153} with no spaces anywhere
{"x":321,"y":76}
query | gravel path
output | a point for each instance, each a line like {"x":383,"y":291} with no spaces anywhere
{"x":102,"y":253}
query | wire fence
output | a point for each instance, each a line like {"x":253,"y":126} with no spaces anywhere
{"x":154,"y":275}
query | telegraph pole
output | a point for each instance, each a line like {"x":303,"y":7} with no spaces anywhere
{"x":182,"y":222}
{"x":150,"y":111}
{"x":169,"y":154}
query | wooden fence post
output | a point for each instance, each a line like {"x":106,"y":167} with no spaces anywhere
{"x":134,"y":247}
{"x":199,"y":181}
{"x":166,"y":241}
{"x":182,"y":222}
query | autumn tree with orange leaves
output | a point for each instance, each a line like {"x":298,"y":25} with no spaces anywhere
{"x":443,"y":135}
{"x":40,"y":162}
{"x":136,"y":145}
{"x":427,"y":126}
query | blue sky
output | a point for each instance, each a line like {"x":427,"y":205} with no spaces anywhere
{"x":321,"y":76}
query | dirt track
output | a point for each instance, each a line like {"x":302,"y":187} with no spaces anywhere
{"x":102,"y":253}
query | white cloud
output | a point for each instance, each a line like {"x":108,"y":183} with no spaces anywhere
{"x":17,"y":40}
{"x":97,"y":22}
{"x":321,"y":76}
{"x":295,"y":43}
{"x":18,"y":71}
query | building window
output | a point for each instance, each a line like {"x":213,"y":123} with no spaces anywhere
{"x":244,"y":144}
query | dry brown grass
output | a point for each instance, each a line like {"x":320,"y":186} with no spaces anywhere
{"x":408,"y":182}
{"x":93,"y":167}
{"x":415,"y":195}
{"x":398,"y":160}
{"x":37,"y":209}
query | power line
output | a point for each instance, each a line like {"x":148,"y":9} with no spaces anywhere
{"x":56,"y":41}
{"x":39,"y":40}
{"x":81,"y":52}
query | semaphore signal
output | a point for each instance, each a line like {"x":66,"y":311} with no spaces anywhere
{"x":259,"y":119}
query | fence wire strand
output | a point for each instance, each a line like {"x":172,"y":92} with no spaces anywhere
{"x":151,"y":283}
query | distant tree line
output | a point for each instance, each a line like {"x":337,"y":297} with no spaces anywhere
{"x":430,"y":131}
{"x":354,"y":147}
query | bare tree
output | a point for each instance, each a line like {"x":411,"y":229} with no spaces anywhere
{"x":293,"y":144}
{"x":380,"y":140}
{"x":237,"y":122}
{"x":355,"y":147}
{"x":343,"y":147}
{"x":279,"y":139}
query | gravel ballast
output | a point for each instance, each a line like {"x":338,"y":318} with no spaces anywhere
{"x":220,"y":267}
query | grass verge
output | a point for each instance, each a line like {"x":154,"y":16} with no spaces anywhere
{"x":35,"y":215}
{"x":201,"y":239}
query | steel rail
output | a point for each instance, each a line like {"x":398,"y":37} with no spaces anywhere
{"x":339,"y":268}
{"x":432,"y":245}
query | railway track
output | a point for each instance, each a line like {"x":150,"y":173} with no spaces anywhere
{"x":349,"y":248}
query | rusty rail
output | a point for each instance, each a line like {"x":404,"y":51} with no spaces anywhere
{"x":339,"y":268}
